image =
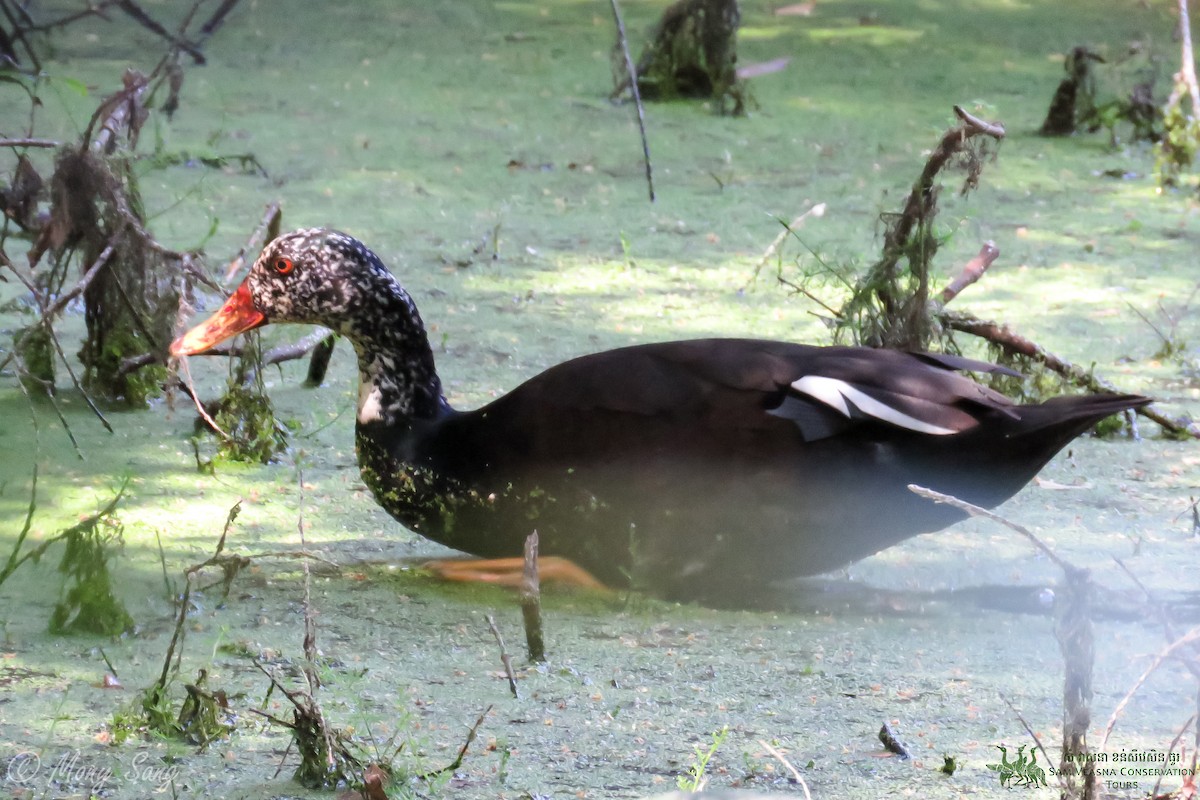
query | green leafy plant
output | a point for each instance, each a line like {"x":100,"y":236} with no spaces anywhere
{"x":244,"y":416}
{"x":204,"y":715}
{"x":88,"y":604}
{"x":1176,"y":151}
{"x":694,"y":779}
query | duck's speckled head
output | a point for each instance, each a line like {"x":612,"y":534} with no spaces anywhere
{"x":313,"y":275}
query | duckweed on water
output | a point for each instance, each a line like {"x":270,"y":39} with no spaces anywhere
{"x":244,"y":415}
{"x":396,"y":122}
{"x":88,"y":604}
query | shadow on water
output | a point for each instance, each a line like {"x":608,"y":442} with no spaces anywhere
{"x":834,"y":596}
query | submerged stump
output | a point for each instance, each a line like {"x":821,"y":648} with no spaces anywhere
{"x":692,"y":54}
{"x":131,"y":305}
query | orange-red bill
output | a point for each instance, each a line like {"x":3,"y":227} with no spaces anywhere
{"x":238,"y":315}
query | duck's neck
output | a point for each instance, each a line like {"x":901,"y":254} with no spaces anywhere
{"x":397,"y":378}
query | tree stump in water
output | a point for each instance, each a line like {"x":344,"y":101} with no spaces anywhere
{"x":692,"y":54}
{"x":1074,"y":101}
{"x":131,"y":304}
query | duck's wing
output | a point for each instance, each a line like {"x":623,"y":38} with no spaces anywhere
{"x":743,"y":383}
{"x":919,"y":392}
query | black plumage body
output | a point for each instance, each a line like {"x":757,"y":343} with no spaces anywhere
{"x":669,"y":465}
{"x":692,"y":469}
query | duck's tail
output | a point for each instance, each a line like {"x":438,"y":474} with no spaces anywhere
{"x":1064,"y":418}
{"x":1018,"y":446}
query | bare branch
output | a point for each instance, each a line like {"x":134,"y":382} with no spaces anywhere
{"x":505,"y":659}
{"x":978,"y":511}
{"x":976,"y":126}
{"x":972,"y":272}
{"x":817,"y":210}
{"x":796,"y":776}
{"x":139,"y":15}
{"x":1013,"y":343}
{"x":637,"y":95}
{"x":462,"y":751}
{"x":267,"y":227}
{"x":1191,"y":636}
{"x":29,"y":142}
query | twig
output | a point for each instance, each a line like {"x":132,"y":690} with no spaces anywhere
{"x":504,"y":658}
{"x":972,"y":272}
{"x":116,"y":111}
{"x":134,"y":363}
{"x":1076,"y":640}
{"x":294,"y":696}
{"x":916,"y":209}
{"x":218,"y":17}
{"x":139,"y":319}
{"x":140,"y":16}
{"x":817,"y":210}
{"x":94,"y":9}
{"x":87,"y":398}
{"x":531,"y":601}
{"x":1192,"y":664}
{"x":462,"y":751}
{"x":217,"y":559}
{"x":18,"y":33}
{"x":177,"y":635}
{"x":306,"y":554}
{"x":162,"y":560}
{"x":111,"y":669}
{"x":49,"y":312}
{"x":1037,"y":741}
{"x":62,"y":418}
{"x":975,"y":125}
{"x":318,"y":364}
{"x":80,"y":527}
{"x":798,"y":289}
{"x":310,"y":622}
{"x":267,"y":227}
{"x":796,"y":776}
{"x":1162,"y":337}
{"x":190,"y":387}
{"x":1191,"y":636}
{"x":1015,"y":344}
{"x":977,"y":511}
{"x":276,"y":355}
{"x":292,"y":352}
{"x":23,"y":374}
{"x":1171,"y":749}
{"x":180,"y":632}
{"x":886,"y":308}
{"x":274,"y":718}
{"x":637,"y":95}
{"x":12,"y":557}
{"x":29,"y":142}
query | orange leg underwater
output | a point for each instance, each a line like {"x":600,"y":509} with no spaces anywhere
{"x":509,"y":571}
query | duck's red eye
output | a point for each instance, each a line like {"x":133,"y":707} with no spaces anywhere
{"x":284,"y":265}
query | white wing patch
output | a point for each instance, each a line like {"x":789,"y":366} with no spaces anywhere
{"x":835,"y":394}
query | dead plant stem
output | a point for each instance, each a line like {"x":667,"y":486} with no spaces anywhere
{"x":531,"y":602}
{"x":268,"y":226}
{"x":1191,"y":636}
{"x":505,"y":659}
{"x":631,"y":68}
{"x":1016,"y":344}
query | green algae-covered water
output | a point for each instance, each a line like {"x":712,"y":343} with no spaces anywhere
{"x":444,"y":133}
